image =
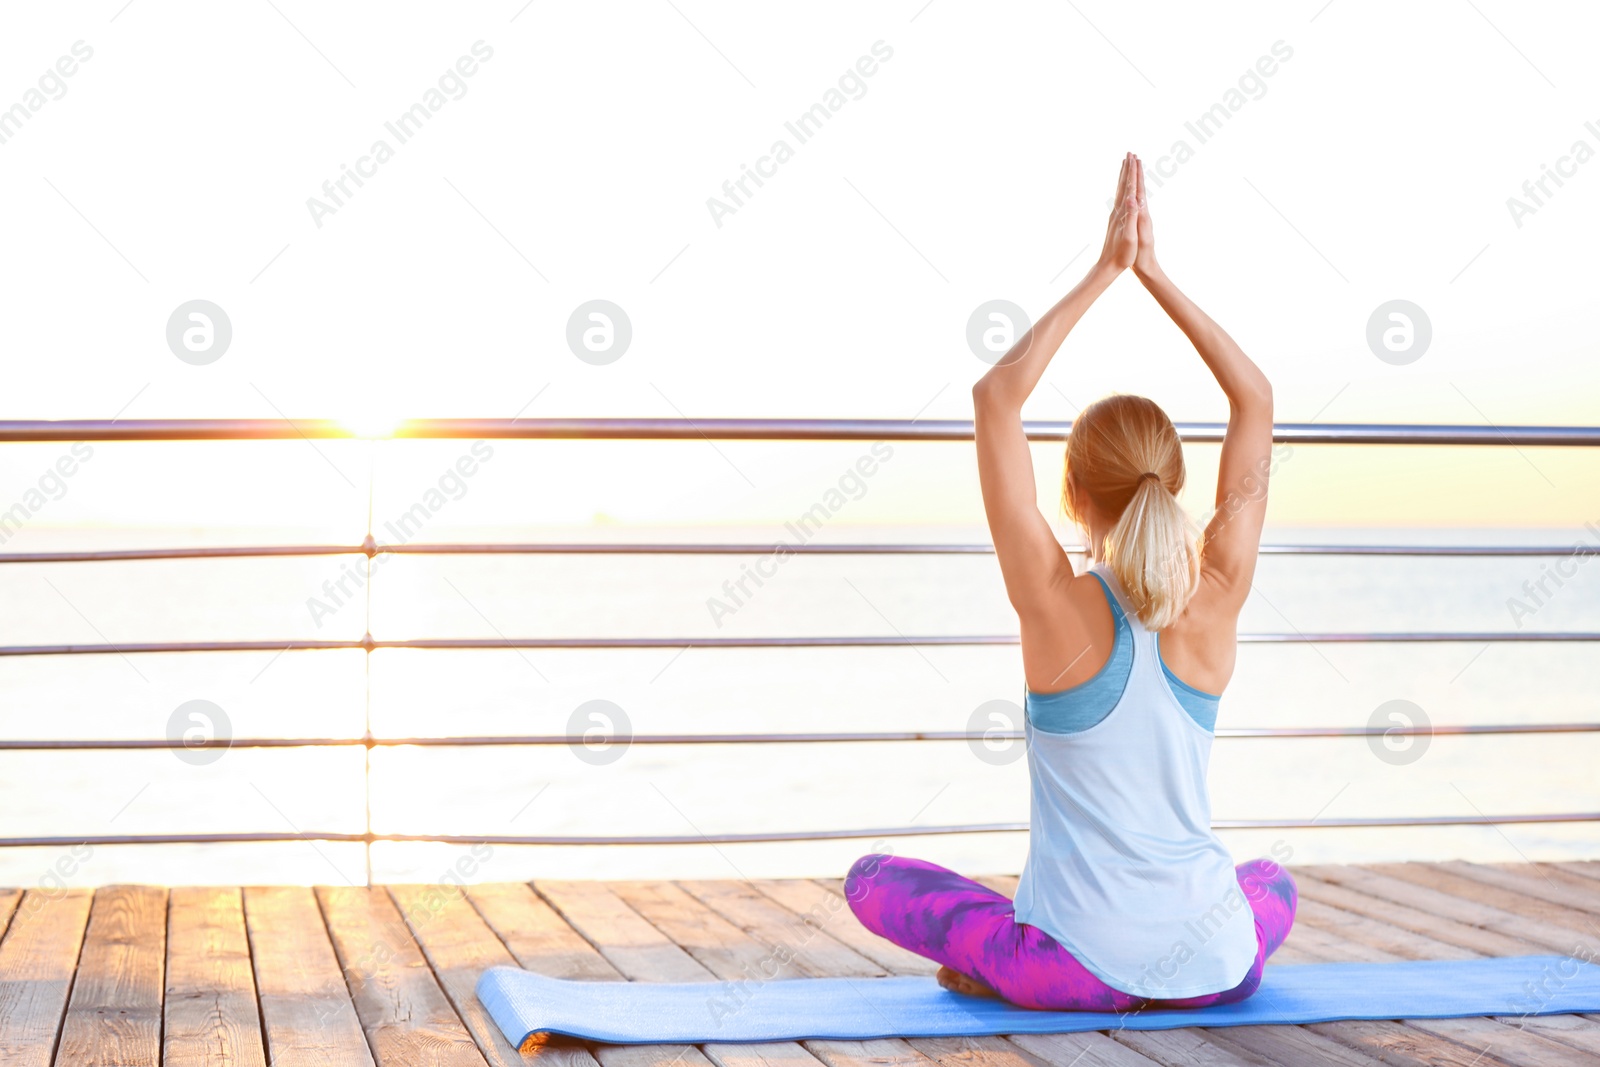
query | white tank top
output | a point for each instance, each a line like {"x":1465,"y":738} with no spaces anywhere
{"x":1123,"y":867}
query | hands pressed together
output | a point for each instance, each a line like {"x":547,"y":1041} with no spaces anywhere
{"x":1130,"y":235}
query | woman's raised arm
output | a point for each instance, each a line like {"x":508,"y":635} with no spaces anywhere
{"x":1031,"y":558}
{"x":1233,"y":536}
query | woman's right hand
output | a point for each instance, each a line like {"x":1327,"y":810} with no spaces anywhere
{"x":1122,"y":231}
{"x":1145,"y":261}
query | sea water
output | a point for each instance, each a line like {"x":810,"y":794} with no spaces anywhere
{"x":610,"y":787}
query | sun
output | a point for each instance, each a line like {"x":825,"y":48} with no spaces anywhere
{"x":370,"y":421}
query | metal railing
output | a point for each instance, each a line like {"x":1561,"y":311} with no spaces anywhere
{"x":755,"y":430}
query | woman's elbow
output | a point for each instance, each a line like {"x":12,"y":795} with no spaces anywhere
{"x":1253,"y":396}
{"x":988,"y":394}
{"x":1264,"y":394}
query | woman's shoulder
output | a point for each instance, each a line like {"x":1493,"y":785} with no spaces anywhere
{"x":1068,"y":641}
{"x":1202,"y":646}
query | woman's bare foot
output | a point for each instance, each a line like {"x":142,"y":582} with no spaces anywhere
{"x":957,"y":982}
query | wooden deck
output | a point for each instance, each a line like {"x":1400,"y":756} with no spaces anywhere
{"x":340,"y":977}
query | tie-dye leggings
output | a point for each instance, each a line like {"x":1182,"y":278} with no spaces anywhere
{"x":973,"y":930}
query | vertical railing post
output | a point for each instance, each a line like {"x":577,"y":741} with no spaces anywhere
{"x":370,"y":546}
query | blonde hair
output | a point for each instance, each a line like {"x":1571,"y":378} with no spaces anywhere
{"x":1124,"y":457}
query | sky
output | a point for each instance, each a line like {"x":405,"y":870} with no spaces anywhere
{"x":1357,"y":154}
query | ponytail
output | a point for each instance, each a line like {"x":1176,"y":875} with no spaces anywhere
{"x":1124,"y":457}
{"x":1154,"y":555}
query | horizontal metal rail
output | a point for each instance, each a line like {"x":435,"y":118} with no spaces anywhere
{"x":673,"y":548}
{"x":762,"y":837}
{"x":748,"y":430}
{"x":864,"y":641}
{"x":515,"y":740}
{"x":753,"y":430}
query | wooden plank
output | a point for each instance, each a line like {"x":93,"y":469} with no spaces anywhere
{"x":1575,"y":1031}
{"x":37,"y":961}
{"x":9,"y":899}
{"x":114,"y":1017}
{"x":822,"y":905}
{"x":1294,"y":1045}
{"x":407,"y":1018}
{"x":643,"y":953}
{"x":883,"y":1052}
{"x":1574,"y":929}
{"x":1323,"y":944}
{"x":629,"y":943}
{"x":1531,"y":934}
{"x":1524,"y":1047}
{"x":1398,"y":1044}
{"x":1363,"y":930}
{"x":651,"y":1056}
{"x":1295,"y":951}
{"x":459,"y":947}
{"x":716,"y":944}
{"x":306,"y":1012}
{"x":210,"y":1011}
{"x":1538,"y":881}
{"x":974,"y":1052}
{"x":542,"y":941}
{"x":1189,"y":1047}
{"x":814,"y":951}
{"x":1585,"y":868}
{"x":1089,"y":1049}
{"x":774,"y":1054}
{"x":1447,"y":931}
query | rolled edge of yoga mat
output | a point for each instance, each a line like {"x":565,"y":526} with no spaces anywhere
{"x":526,"y":1005}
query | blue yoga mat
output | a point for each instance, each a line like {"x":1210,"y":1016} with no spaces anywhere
{"x":525,"y":1004}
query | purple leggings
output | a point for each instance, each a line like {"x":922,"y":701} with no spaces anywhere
{"x":971,"y":929}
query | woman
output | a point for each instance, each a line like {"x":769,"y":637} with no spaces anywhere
{"x":1128,"y":899}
